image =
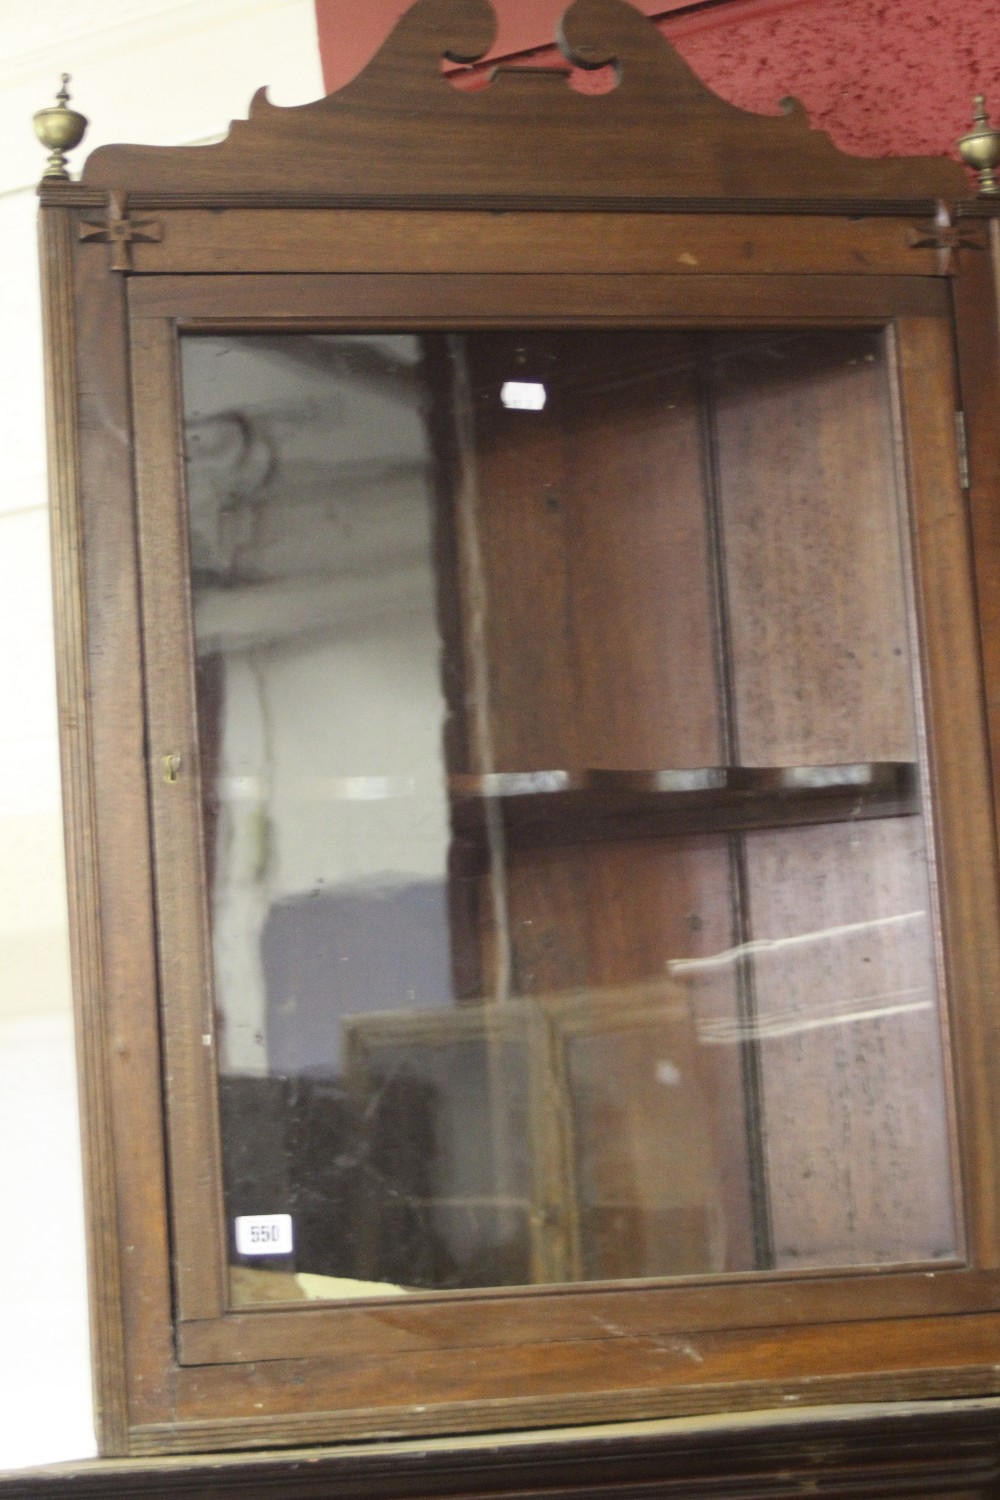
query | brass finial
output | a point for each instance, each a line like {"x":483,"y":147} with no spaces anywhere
{"x":980,"y":149}
{"x":60,"y":129}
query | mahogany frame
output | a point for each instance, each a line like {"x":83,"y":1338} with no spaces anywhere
{"x":339,"y":215}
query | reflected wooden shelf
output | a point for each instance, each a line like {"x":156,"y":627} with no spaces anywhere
{"x":582,"y":806}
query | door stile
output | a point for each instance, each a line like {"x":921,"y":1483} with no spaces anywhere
{"x":175,"y":801}
{"x":957,"y":760}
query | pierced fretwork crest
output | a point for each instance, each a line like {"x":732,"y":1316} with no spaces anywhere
{"x":119,"y":231}
{"x":399,"y":133}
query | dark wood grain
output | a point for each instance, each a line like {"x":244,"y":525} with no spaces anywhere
{"x":243,"y":303}
{"x":400,"y":240}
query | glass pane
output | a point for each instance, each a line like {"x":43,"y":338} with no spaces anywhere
{"x":563,"y":816}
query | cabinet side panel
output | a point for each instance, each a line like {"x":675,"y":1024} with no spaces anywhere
{"x":977,"y":311}
{"x":104,"y":788}
{"x":62,"y":399}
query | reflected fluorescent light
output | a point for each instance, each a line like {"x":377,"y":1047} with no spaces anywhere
{"x":322,"y":788}
{"x":760,"y":946}
{"x":723,"y":1031}
{"x":523,"y":395}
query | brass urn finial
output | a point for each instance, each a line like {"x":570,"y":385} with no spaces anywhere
{"x":980,"y":149}
{"x":60,"y":129}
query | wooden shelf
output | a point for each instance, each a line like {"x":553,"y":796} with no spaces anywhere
{"x":582,"y":806}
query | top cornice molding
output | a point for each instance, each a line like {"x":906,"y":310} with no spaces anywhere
{"x":402,"y":131}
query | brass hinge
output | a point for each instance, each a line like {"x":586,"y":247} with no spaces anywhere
{"x":963,"y":449}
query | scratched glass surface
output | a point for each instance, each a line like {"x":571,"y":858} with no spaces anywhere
{"x":563,"y":817}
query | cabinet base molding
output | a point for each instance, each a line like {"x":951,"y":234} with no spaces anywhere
{"x":946,"y":1449}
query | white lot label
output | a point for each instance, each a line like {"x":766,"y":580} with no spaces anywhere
{"x":523,"y":395}
{"x":264,"y":1234}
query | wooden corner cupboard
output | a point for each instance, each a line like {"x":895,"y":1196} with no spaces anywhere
{"x":529,"y":635}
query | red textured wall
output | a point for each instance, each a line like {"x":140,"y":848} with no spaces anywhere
{"x":882,"y":77}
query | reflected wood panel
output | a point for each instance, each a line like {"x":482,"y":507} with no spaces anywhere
{"x":623,"y":914}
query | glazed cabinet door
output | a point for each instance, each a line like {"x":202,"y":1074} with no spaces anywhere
{"x":566,"y":762}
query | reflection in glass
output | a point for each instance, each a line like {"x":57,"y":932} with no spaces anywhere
{"x":569,"y":893}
